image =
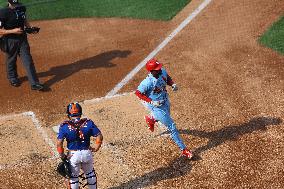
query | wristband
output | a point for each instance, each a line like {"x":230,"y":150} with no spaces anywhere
{"x":98,"y":141}
{"x":60,"y":150}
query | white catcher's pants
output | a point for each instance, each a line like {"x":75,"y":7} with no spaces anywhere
{"x":82,"y":159}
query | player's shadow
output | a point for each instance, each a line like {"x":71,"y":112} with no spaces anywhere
{"x":61,"y":72}
{"x":182,"y":166}
{"x":230,"y":133}
{"x":178,"y":167}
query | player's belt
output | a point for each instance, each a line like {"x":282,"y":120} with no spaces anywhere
{"x":78,"y":150}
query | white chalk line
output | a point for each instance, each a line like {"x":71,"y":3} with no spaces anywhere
{"x":130,"y":75}
{"x":4,"y":117}
{"x":105,"y":97}
{"x":50,"y":143}
{"x":92,"y":101}
{"x":159,"y":48}
{"x":38,"y":128}
{"x":43,"y":133}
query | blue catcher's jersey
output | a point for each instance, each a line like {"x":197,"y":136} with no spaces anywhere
{"x":78,"y":139}
{"x":155,"y":88}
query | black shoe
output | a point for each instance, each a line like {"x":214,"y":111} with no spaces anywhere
{"x":37,"y":87}
{"x":15,"y":83}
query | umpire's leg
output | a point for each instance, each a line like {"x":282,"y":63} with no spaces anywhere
{"x":11,"y":59}
{"x":27,"y":60}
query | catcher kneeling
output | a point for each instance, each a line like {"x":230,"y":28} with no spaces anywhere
{"x":78,"y":131}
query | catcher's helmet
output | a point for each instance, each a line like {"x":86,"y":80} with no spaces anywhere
{"x":74,"y":109}
{"x":153,"y":64}
{"x":64,"y":169}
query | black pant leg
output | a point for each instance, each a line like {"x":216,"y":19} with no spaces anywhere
{"x":11,"y":58}
{"x":27,"y":61}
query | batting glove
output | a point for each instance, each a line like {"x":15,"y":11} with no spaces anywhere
{"x":174,"y":87}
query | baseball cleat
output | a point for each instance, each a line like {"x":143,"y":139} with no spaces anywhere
{"x":15,"y":83}
{"x":37,"y":87}
{"x":187,"y":153}
{"x":150,"y":122}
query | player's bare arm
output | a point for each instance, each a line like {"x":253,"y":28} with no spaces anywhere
{"x":98,"y":143}
{"x":12,"y":31}
{"x":60,"y":148}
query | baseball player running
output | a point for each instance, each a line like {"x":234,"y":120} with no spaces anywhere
{"x":152,"y":91}
{"x":77,"y":132}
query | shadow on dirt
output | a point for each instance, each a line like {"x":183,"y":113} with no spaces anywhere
{"x":176,"y":168}
{"x":230,"y":133}
{"x":182,"y":166}
{"x":63,"y":71}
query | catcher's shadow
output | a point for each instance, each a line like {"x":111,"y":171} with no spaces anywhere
{"x":230,"y":133}
{"x":61,"y":72}
{"x":178,"y":167}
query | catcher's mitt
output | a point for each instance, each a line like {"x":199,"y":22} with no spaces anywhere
{"x":64,"y":169}
{"x":32,"y":30}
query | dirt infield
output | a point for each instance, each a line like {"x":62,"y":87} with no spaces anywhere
{"x":229,"y":108}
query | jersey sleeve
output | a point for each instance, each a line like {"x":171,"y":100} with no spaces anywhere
{"x":169,"y":80}
{"x":95,"y":131}
{"x":144,"y":86}
{"x":61,"y":133}
{"x":142,"y":96}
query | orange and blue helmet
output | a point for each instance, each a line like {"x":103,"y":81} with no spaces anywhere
{"x":74,"y":109}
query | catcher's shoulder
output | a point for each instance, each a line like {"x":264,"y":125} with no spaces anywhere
{"x":63,"y":123}
{"x":57,"y":127}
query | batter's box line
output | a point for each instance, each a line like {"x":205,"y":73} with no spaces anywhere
{"x":43,"y":133}
{"x":40,"y":130}
{"x":92,"y":101}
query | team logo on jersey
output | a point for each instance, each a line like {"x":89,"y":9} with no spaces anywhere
{"x":81,"y":136}
{"x":158,"y":90}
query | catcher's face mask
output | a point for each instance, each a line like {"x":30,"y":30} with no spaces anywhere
{"x":74,"y":109}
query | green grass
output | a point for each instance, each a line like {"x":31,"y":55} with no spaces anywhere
{"x":274,"y":36}
{"x":140,"y":9}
